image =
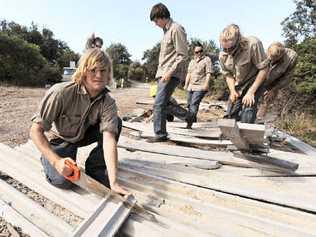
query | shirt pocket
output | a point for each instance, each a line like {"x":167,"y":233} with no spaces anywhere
{"x":242,"y":68}
{"x":69,"y":125}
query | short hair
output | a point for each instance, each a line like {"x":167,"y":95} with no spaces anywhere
{"x":276,"y":51}
{"x":198,"y":44}
{"x":230,"y":33}
{"x":91,"y":59}
{"x":159,"y":11}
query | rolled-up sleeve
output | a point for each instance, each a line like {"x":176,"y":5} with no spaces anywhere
{"x":49,"y":109}
{"x":224,"y":70}
{"x":258,"y":56}
{"x":208,"y":66}
{"x":179,"y":38}
{"x":109,"y":117}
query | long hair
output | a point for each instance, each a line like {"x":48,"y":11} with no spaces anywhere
{"x":91,"y":59}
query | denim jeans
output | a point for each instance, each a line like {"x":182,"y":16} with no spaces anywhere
{"x":194,"y":99}
{"x":244,"y":114}
{"x":95,"y":164}
{"x":164,"y":92}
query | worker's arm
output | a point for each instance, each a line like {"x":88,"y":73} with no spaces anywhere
{"x":249,"y":98}
{"x":41,"y":142}
{"x":207,"y":81}
{"x":187,"y":81}
{"x":110,"y":156}
{"x":233,"y":94}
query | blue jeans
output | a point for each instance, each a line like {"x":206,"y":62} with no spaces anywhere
{"x":95,"y":164}
{"x":164,"y":92}
{"x":244,"y":114}
{"x":193,"y":100}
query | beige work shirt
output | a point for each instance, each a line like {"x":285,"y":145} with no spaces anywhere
{"x":67,"y":110}
{"x":280,"y":73}
{"x":173,"y":51}
{"x":198,"y":70}
{"x":245,"y":64}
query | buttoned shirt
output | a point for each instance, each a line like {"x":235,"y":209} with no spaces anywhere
{"x":245,"y":64}
{"x":280,"y":73}
{"x":67,"y":110}
{"x":173,"y":51}
{"x":198,"y":70}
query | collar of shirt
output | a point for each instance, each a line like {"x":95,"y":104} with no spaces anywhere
{"x":168,"y":25}
{"x":198,"y":59}
{"x":83,"y":91}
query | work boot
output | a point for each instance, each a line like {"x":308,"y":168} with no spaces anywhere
{"x":189,"y":125}
{"x":157,"y":139}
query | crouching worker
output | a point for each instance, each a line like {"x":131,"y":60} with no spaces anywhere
{"x":282,"y":62}
{"x":245,"y":67}
{"x":77,"y":114}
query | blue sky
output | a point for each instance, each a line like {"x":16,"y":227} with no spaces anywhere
{"x":128,"y":22}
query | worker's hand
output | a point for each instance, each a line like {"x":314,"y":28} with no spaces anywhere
{"x":62,"y":168}
{"x":166,"y":77}
{"x":249,"y":99}
{"x":118,"y":189}
{"x":233,"y":96}
{"x":205,"y":87}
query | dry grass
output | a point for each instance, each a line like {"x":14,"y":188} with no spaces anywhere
{"x":299,"y":125}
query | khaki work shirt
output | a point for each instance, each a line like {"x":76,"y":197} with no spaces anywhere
{"x":198,"y":70}
{"x":66,"y":111}
{"x":173,"y":51}
{"x":280,"y":73}
{"x":245,"y":64}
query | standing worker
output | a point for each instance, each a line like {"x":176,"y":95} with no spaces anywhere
{"x":171,"y":66}
{"x":197,"y":81}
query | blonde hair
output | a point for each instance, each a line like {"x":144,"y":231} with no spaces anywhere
{"x":91,"y":59}
{"x":275,"y":51}
{"x":230,"y":33}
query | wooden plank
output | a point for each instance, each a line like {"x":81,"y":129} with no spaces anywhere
{"x":164,"y":191}
{"x":300,"y":145}
{"x":106,"y":220}
{"x":273,"y":191}
{"x":230,"y":130}
{"x":16,"y":166}
{"x":262,"y":159}
{"x":137,"y":225}
{"x":185,"y":139}
{"x":147,"y":128}
{"x":33,"y":212}
{"x":246,"y":217}
{"x":15,"y":218}
{"x":306,"y":166}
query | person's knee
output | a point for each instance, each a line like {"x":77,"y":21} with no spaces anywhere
{"x":59,"y":182}
{"x":248,"y":115}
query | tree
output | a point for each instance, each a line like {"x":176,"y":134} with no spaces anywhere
{"x":21,"y":63}
{"x":301,"y":24}
{"x":300,"y":32}
{"x":136,"y":71}
{"x":31,"y":57}
{"x":120,"y":59}
{"x":151,"y":57}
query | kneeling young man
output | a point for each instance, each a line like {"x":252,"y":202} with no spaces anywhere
{"x":77,"y":114}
